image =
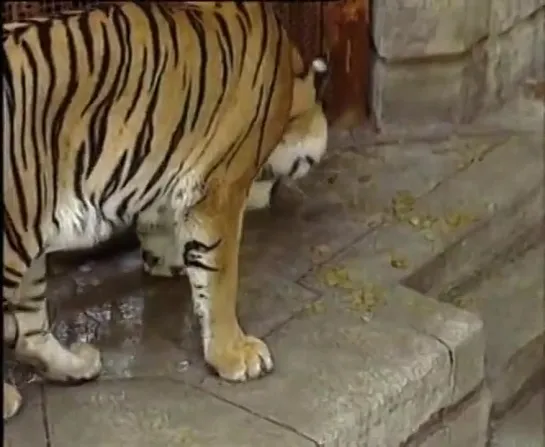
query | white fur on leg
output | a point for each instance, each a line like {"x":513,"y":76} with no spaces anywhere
{"x":12,"y":401}
{"x":80,"y":362}
{"x":260,"y":195}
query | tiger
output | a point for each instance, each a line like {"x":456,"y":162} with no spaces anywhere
{"x":168,"y":118}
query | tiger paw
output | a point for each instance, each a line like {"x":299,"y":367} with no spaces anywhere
{"x":155,"y":266}
{"x":246,"y":358}
{"x":80,"y":363}
{"x":12,"y":401}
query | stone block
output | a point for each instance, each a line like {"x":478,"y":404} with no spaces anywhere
{"x":523,"y":426}
{"x":462,"y":332}
{"x":435,"y":94}
{"x":506,"y":13}
{"x":514,"y":57}
{"x":423,"y":28}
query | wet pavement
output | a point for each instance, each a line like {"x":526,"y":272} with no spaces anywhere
{"x":381,"y":212}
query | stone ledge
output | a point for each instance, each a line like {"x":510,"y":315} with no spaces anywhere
{"x":357,"y":382}
{"x":465,"y":424}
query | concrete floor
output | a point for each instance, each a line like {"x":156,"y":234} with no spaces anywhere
{"x":348,"y":281}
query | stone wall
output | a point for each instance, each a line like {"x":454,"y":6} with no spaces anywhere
{"x":442,"y":62}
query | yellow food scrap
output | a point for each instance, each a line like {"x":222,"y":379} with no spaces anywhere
{"x":366,"y":299}
{"x":316,"y":307}
{"x":320,"y":252}
{"x":459,"y":219}
{"x":337,"y":277}
{"x":398,"y":262}
{"x":402,"y":203}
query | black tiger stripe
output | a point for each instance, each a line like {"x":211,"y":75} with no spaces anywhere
{"x":172,"y":29}
{"x":70,"y":90}
{"x":113,"y":183}
{"x":226,"y":37}
{"x":104,"y":69}
{"x":44,"y":41}
{"x":87,"y":41}
{"x":195,"y":21}
{"x":13,"y":272}
{"x":271,"y":92}
{"x":264,"y":42}
{"x":156,"y":51}
{"x":14,"y":239}
{"x":122,"y":33}
{"x":177,"y":136}
{"x":244,"y":44}
{"x":18,"y":185}
{"x":22,"y":137}
{"x":139,"y":86}
{"x":145,"y":136}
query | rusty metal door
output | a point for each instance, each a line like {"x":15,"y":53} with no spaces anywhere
{"x":339,"y":28}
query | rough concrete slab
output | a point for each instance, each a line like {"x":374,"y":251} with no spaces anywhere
{"x":142,"y":413}
{"x":28,"y":429}
{"x":343,"y":382}
{"x":523,"y":427}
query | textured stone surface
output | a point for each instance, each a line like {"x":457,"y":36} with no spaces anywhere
{"x":506,"y":13}
{"x":460,"y":331}
{"x":419,"y":94}
{"x":27,"y":429}
{"x":511,"y":300}
{"x":438,"y":92}
{"x":144,"y":413}
{"x":514,"y":57}
{"x":420,"y":28}
{"x":524,"y":426}
{"x":466,"y":425}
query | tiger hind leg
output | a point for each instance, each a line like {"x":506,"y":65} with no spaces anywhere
{"x":161,"y":250}
{"x":27,"y":332}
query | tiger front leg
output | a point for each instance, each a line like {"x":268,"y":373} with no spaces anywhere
{"x":211,"y":259}
{"x":27,"y":332}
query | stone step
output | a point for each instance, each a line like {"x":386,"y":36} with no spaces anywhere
{"x":340,"y":381}
{"x":524,"y":426}
{"x":509,"y":299}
